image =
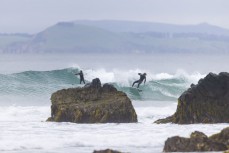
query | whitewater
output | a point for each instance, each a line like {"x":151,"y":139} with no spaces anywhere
{"x":27,"y":82}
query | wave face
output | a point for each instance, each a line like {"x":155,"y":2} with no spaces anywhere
{"x":35,"y":84}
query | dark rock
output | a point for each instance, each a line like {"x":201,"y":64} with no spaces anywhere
{"x":222,"y":137}
{"x":206,"y":102}
{"x":92,"y":104}
{"x":192,"y":85}
{"x":198,"y":141}
{"x":95,"y":83}
{"x":198,"y":134}
{"x":107,"y":151}
{"x":109,"y":88}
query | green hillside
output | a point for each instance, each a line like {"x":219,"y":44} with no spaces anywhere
{"x":70,"y":37}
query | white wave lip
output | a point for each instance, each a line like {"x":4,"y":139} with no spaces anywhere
{"x":126,"y":77}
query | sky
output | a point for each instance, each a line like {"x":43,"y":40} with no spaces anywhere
{"x":33,"y":16}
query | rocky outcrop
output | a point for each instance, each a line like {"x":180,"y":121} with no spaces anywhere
{"x":107,"y":151}
{"x":222,"y":137}
{"x":92,"y":104}
{"x":206,"y":102}
{"x":198,"y":141}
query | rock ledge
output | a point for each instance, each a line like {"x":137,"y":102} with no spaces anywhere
{"x":206,"y":102}
{"x":92,"y":104}
{"x":198,"y":141}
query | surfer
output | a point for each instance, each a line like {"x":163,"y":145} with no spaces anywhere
{"x":142,"y":77}
{"x":81,"y":76}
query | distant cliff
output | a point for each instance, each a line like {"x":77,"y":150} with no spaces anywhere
{"x":120,"y":37}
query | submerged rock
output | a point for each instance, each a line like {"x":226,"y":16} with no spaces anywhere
{"x":92,"y":104}
{"x":206,"y":102}
{"x":107,"y":151}
{"x":198,"y":141}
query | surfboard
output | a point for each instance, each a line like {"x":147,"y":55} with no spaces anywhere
{"x":137,"y":89}
{"x":79,"y":85}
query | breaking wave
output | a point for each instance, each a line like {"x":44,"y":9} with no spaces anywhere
{"x":35,"y":84}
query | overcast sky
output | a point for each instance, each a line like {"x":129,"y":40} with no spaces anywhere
{"x":33,"y":16}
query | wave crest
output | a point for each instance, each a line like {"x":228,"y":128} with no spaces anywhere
{"x":162,"y":86}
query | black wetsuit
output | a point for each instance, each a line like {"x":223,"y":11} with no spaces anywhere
{"x":142,"y":77}
{"x":81,"y":77}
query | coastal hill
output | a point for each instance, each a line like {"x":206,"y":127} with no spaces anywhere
{"x":119,"y":37}
{"x":143,"y":27}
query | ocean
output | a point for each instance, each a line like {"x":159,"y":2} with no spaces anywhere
{"x":27,"y":82}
